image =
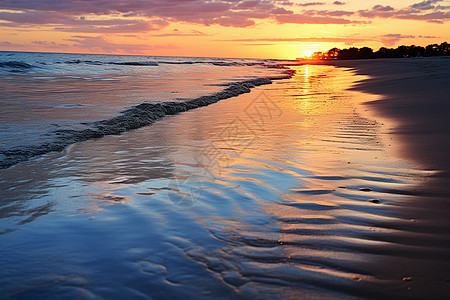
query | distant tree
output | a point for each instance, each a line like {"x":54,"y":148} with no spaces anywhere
{"x":383,"y":52}
{"x":332,"y":53}
{"x":365,"y":52}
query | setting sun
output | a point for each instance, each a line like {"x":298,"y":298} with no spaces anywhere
{"x":307,"y":53}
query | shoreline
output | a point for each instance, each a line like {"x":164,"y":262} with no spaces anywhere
{"x":135,"y":117}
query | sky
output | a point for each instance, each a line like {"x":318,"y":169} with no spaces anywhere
{"x":219,"y":28}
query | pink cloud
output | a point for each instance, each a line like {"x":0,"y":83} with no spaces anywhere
{"x":392,"y":38}
{"x":111,"y":26}
{"x":143,"y":15}
{"x":387,"y":39}
{"x":310,"y":4}
{"x":305,"y":19}
{"x":330,"y":13}
{"x":345,"y":40}
{"x":234,"y":13}
{"x":100,"y":44}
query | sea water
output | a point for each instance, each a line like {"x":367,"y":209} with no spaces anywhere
{"x":45,"y":94}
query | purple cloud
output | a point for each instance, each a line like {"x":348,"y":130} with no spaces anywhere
{"x":34,"y":17}
{"x":127,"y":16}
{"x":130,"y":26}
{"x":236,"y":13}
{"x":419,"y":11}
{"x":425,"y":5}
{"x":310,"y":4}
{"x":392,"y":38}
{"x":332,"y":13}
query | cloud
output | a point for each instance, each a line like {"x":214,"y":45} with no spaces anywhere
{"x":392,"y":38}
{"x":422,"y":11}
{"x":33,"y":17}
{"x":425,"y":5}
{"x":177,"y":33}
{"x":100,"y":44}
{"x":387,"y":39}
{"x":125,"y":16}
{"x":345,"y":40}
{"x":306,"y":19}
{"x":113,"y":26}
{"x":311,"y":4}
{"x":68,"y":14}
{"x":87,"y":44}
{"x":332,"y":13}
{"x":80,"y":24}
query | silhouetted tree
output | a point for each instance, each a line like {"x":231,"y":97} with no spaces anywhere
{"x":401,"y":51}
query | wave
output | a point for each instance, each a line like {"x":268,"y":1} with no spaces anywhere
{"x":15,"y":66}
{"x":88,"y":62}
{"x":132,"y":63}
{"x":100,"y":63}
{"x":157,"y":63}
{"x":135,"y":117}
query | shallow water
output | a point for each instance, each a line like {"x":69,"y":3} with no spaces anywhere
{"x":45,"y":92}
{"x":266,"y":195}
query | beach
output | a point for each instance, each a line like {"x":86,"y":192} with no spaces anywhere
{"x":415,"y":98}
{"x":332,"y":184}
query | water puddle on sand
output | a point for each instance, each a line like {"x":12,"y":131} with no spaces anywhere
{"x":285,"y":192}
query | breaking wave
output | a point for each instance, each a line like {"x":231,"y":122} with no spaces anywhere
{"x":135,"y":117}
{"x":15,"y":66}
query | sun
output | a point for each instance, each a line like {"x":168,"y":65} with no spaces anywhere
{"x":307,"y":53}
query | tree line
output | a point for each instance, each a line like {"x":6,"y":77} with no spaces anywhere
{"x":401,"y":51}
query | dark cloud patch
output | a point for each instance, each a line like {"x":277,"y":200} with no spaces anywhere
{"x":425,"y":5}
{"x":332,"y":13}
{"x":34,"y":17}
{"x":306,"y":19}
{"x":392,"y":38}
{"x":310,"y":4}
{"x":338,"y":3}
{"x":423,"y":11}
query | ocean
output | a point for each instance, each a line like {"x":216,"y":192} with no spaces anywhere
{"x":51,"y":98}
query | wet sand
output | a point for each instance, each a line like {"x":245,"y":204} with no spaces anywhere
{"x":415,"y":97}
{"x":290,"y":191}
{"x":414,"y":105}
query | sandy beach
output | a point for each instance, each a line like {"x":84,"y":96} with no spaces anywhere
{"x":331,"y":184}
{"x":414,"y":98}
{"x":414,"y":105}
